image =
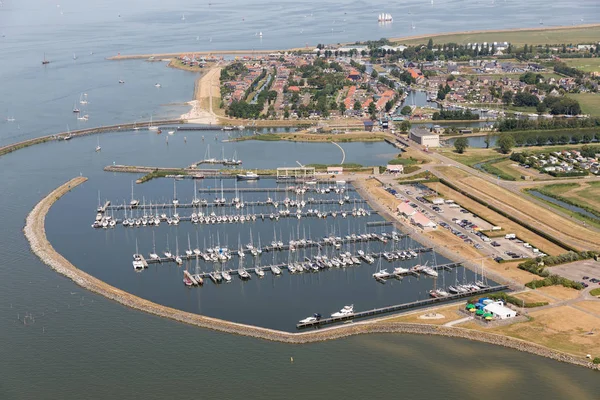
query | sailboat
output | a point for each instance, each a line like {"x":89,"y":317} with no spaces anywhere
{"x":75,"y":109}
{"x":152,"y":127}
{"x":44,"y":61}
{"x":168,"y":253}
{"x":189,"y":251}
{"x":68,"y":135}
{"x":153,"y":255}
{"x":133,"y":202}
{"x":98,"y":148}
{"x":183,"y":17}
{"x":175,"y":201}
{"x":83,"y":98}
{"x":178,"y":259}
{"x":137,"y":258}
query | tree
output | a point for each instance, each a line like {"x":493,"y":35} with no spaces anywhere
{"x":507,"y":97}
{"x":430,"y":44}
{"x":342,"y":108}
{"x":372,"y":110}
{"x":374,"y":74}
{"x":406,"y":110}
{"x":488,"y":140}
{"x":389,"y":105}
{"x":506,"y":142}
{"x":357,"y":105}
{"x":524,"y":99}
{"x":286,"y":112}
{"x":405,"y":126}
{"x":461,"y":144}
{"x":541,"y":108}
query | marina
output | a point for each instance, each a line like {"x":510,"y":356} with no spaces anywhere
{"x":137,"y":351}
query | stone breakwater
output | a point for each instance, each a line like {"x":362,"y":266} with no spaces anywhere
{"x":36,"y":234}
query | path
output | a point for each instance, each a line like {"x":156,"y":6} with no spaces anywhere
{"x":343,"y":153}
{"x":458,"y":321}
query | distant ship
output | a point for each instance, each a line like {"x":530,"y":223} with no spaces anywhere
{"x":385,"y":18}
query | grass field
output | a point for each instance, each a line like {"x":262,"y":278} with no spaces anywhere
{"x":584,"y":64}
{"x":562,"y":328}
{"x":471,"y":156}
{"x":518,"y":37}
{"x":589,"y":102}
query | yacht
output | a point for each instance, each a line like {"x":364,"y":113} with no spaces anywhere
{"x":400,"y":271}
{"x":259,"y":272}
{"x":308,"y":320}
{"x":429,"y":271}
{"x":157,"y":85}
{"x":248,"y":176}
{"x":275,"y":270}
{"x":243,"y":274}
{"x":226,"y":276}
{"x":344,"y":312}
{"x":381,"y":275}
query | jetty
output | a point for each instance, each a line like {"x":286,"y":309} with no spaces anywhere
{"x":168,"y":206}
{"x":399,"y":307}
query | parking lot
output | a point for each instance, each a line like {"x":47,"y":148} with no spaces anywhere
{"x":514,"y":249}
{"x":464,"y":224}
{"x":586,"y":271}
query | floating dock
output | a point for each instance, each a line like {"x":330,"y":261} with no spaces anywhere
{"x":399,"y":307}
{"x":283,"y":266}
{"x":167,"y":206}
{"x":261,"y":190}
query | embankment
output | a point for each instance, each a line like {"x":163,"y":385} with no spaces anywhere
{"x":35,"y":232}
{"x":82,"y":132}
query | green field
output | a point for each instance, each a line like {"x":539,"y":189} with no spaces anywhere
{"x":584,"y":64}
{"x":589,"y":102}
{"x":587,"y":34}
{"x":471,"y":156}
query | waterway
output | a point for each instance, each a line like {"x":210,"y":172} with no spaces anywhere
{"x":562,"y":204}
{"x":76,"y":345}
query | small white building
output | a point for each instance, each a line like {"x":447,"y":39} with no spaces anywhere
{"x":438,"y":201}
{"x":395,"y":169}
{"x":499,"y":310}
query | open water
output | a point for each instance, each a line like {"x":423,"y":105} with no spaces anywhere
{"x":61,"y":342}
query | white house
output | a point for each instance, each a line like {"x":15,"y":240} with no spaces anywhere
{"x":498,"y":310}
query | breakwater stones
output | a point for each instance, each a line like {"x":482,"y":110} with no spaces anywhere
{"x":36,"y":235}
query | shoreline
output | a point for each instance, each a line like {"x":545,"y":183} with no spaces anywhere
{"x":478,"y":32}
{"x":36,"y":235}
{"x":158,"y":56}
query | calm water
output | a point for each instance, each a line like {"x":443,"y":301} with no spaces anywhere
{"x":578,"y":210}
{"x":77,"y":345}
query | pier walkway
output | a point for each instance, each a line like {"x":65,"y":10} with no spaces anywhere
{"x":284,"y":266}
{"x":399,"y":307}
{"x":167,"y":206}
{"x":318,"y":244}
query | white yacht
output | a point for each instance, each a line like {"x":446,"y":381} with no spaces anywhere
{"x":308,"y":320}
{"x":346,"y":311}
{"x":259,"y":272}
{"x":248,"y":176}
{"x":275,"y":270}
{"x":226,"y":276}
{"x":429,"y":271}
